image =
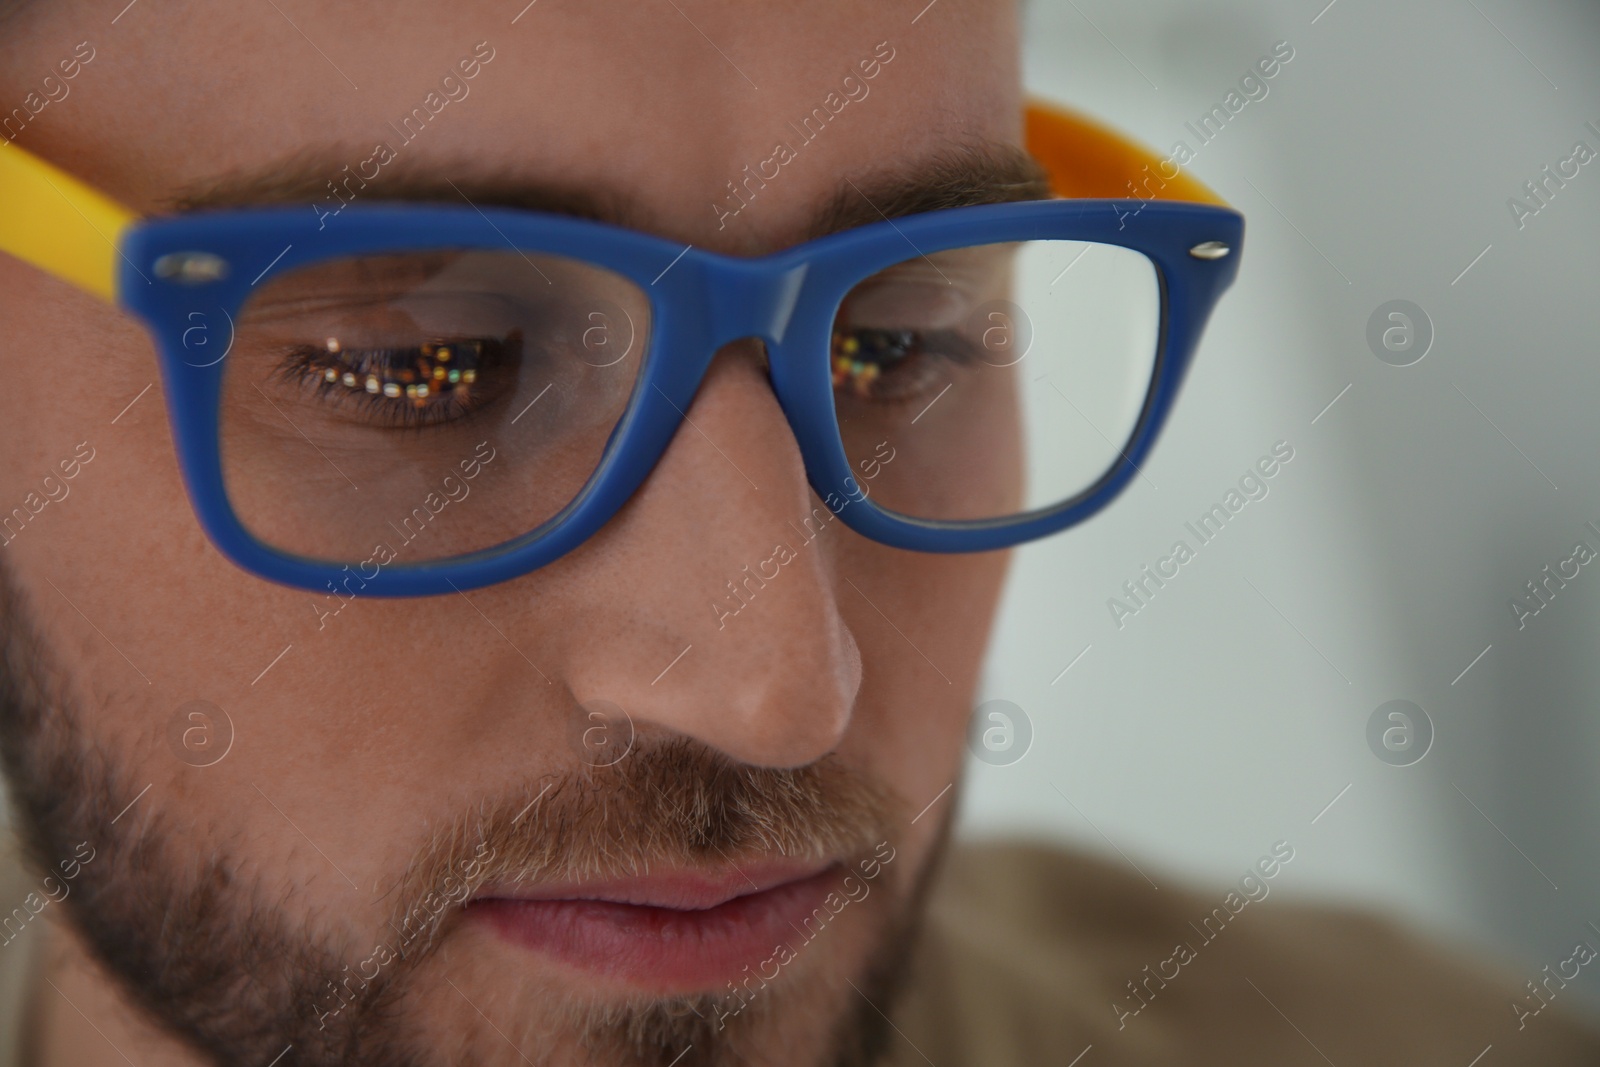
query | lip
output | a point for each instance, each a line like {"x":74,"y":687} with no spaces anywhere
{"x":671,"y":931}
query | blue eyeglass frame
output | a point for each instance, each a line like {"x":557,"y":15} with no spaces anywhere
{"x":170,"y":271}
{"x":699,"y":302}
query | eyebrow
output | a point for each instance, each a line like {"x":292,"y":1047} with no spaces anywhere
{"x":961,"y":175}
{"x":958,"y":175}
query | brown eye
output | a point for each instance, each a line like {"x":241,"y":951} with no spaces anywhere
{"x":860,"y":356}
{"x":893,"y":365}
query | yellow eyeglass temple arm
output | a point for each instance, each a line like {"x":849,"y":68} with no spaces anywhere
{"x":70,"y":230}
{"x":59,"y":224}
{"x":1088,"y":159}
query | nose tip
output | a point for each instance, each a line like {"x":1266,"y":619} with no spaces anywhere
{"x":747,"y":648}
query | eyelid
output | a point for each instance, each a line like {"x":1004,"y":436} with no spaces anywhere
{"x":926,"y":305}
{"x":939,"y":292}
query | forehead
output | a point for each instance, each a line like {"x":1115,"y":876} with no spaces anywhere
{"x":658,"y":104}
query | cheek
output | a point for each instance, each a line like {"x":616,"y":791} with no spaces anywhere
{"x":916,"y":698}
{"x":139,"y":612}
{"x":122,"y":547}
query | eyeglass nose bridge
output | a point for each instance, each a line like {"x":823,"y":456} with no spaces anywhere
{"x":753,"y":298}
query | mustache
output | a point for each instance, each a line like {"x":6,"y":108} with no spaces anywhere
{"x":675,"y":804}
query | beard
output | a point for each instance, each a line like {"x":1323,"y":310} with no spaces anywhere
{"x":195,"y":940}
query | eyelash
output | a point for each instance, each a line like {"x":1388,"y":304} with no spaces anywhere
{"x":347,"y":376}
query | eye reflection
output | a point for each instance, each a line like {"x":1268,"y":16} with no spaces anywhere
{"x":889,"y":365}
{"x":436,"y":379}
{"x":860,"y":356}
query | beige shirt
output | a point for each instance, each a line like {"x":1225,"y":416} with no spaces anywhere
{"x":1028,"y":954}
{"x":1030,"y":951}
{"x":18,"y":957}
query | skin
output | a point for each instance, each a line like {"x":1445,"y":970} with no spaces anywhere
{"x":402,"y":715}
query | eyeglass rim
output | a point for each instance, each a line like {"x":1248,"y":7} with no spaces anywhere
{"x":704,"y":301}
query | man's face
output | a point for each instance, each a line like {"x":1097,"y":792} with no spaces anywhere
{"x":733,"y":860}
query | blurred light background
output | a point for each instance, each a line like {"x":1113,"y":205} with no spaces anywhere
{"x":1233,"y":709}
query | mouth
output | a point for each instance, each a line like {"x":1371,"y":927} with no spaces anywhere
{"x":666,"y":932}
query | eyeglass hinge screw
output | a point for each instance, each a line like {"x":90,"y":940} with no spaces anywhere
{"x":191,"y":268}
{"x":1210,"y":250}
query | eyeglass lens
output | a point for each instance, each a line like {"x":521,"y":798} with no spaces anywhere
{"x":997,"y":379}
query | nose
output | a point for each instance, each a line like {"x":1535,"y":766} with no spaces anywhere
{"x":709,"y":607}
